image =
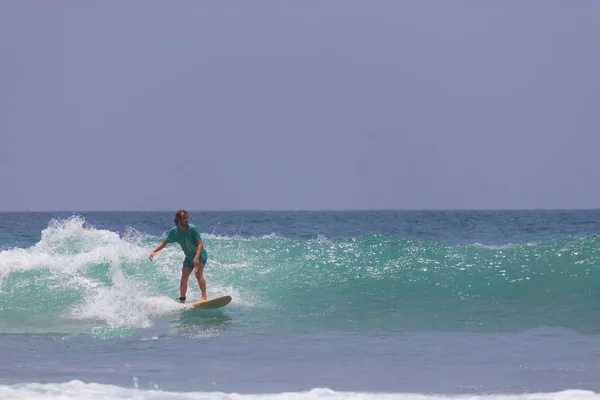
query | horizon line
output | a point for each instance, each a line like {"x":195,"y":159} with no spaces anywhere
{"x":304,"y":210}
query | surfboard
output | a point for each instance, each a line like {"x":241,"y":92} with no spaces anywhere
{"x":215,"y":302}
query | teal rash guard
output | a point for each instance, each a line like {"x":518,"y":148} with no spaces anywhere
{"x":188,"y":242}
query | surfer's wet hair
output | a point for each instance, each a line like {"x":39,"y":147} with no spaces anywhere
{"x":178,"y":215}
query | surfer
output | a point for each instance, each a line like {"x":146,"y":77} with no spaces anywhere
{"x":188,"y":237}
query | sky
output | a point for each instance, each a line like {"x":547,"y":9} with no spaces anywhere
{"x":299,"y":105}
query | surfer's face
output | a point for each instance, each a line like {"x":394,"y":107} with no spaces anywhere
{"x":183,"y":220}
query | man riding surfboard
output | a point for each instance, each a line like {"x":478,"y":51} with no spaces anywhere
{"x":188,"y":236}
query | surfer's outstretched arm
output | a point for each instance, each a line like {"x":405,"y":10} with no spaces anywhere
{"x":158,"y":248}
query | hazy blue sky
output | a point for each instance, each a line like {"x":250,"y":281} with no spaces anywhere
{"x":211,"y":105}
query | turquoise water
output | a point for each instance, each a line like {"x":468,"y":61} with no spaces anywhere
{"x":491,"y":301}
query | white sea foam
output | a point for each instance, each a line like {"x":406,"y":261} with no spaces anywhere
{"x":94,"y":391}
{"x":69,"y":247}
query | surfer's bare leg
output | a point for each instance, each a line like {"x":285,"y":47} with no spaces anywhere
{"x":201,"y":280}
{"x":185,"y":274}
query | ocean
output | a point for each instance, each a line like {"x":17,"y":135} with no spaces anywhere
{"x":326,"y":305}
